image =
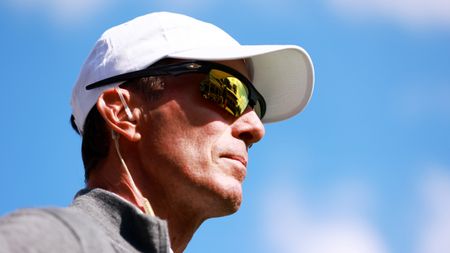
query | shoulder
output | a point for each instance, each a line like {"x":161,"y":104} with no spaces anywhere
{"x":48,"y":230}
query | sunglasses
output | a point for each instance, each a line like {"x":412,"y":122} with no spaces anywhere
{"x":222,"y":85}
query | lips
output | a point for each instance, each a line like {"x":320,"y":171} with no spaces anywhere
{"x":238,"y":166}
{"x":238,"y":158}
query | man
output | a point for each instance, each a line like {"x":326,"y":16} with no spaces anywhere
{"x":167,"y":113}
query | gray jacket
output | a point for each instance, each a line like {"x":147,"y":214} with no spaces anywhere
{"x":97,"y":221}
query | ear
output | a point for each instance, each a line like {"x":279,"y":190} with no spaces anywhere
{"x":113,"y":112}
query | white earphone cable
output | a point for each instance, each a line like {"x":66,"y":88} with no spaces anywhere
{"x":147,"y":207}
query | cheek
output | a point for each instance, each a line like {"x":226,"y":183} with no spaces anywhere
{"x":182,"y":133}
{"x":185,"y":132}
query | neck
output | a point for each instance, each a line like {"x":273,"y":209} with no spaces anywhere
{"x":182,"y":220}
{"x":118,"y":183}
{"x":181,"y":233}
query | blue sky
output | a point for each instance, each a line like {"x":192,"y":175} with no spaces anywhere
{"x":365,"y":168}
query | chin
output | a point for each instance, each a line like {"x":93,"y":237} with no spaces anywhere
{"x":229,"y":209}
{"x":230,"y":202}
{"x":235,"y":207}
{"x":224,"y":196}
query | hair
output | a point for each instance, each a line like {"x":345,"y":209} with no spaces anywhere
{"x":96,"y":134}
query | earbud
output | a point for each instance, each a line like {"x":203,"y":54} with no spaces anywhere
{"x":114,"y":135}
{"x":127,"y":109}
{"x":128,"y":112}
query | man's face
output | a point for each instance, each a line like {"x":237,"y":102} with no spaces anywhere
{"x":194,"y":152}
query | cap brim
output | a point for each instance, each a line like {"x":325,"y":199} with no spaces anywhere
{"x":284,"y":75}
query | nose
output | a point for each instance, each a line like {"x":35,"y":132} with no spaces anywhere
{"x":248,"y":127}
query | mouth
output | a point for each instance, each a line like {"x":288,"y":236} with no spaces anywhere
{"x":237,"y":158}
{"x":238,"y":166}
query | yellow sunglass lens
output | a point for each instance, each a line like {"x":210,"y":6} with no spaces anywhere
{"x":226,"y":91}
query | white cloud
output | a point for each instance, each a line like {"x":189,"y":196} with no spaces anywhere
{"x":275,"y":7}
{"x":72,"y":10}
{"x":185,"y":6}
{"x":424,"y":101}
{"x":413,"y":13}
{"x":61,"y":11}
{"x":293,"y":227}
{"x":435,"y":231}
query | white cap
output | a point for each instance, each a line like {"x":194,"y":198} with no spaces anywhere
{"x":283,"y":74}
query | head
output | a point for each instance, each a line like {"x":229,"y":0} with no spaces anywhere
{"x":188,"y":142}
{"x":193,"y":150}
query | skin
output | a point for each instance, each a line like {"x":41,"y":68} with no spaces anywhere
{"x":187,"y":156}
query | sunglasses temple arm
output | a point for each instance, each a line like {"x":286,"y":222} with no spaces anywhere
{"x":125,"y":77}
{"x":174,"y":70}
